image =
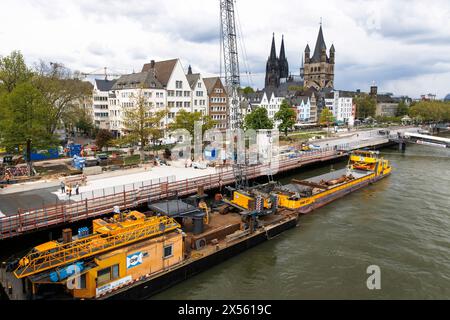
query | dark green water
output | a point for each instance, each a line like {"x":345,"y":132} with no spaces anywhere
{"x":401,"y":224}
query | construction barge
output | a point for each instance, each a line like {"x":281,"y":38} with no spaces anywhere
{"x":135,"y":255}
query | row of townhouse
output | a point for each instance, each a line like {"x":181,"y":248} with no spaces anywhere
{"x":164,"y":86}
{"x":305,"y":106}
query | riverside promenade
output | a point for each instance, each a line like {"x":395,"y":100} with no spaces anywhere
{"x":128,"y":190}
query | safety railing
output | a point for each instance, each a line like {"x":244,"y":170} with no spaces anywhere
{"x":40,"y":218}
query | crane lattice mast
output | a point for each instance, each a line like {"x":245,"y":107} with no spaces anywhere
{"x":232,"y":80}
{"x":231,"y":61}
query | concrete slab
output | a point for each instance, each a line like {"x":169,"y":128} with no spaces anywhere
{"x":111,"y":185}
{"x":33,"y":199}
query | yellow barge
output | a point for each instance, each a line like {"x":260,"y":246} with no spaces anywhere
{"x":365,"y":167}
{"x":135,"y":255}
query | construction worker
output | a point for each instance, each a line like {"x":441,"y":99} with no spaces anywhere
{"x":63,"y":187}
{"x":69,"y":190}
{"x":77,"y":189}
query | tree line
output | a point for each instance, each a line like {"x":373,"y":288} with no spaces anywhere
{"x":35,"y":102}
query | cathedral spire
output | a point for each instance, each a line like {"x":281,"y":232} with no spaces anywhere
{"x":282,"y":51}
{"x":320,"y":45}
{"x":284,"y":65}
{"x":273,"y":51}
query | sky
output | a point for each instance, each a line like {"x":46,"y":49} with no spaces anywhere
{"x":403,"y":46}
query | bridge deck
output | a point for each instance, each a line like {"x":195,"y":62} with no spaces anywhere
{"x":54,"y":215}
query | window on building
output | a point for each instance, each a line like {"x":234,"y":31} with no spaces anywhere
{"x":179,"y":84}
{"x":168,"y":251}
{"x":187,"y":93}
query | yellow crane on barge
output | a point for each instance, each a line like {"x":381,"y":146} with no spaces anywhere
{"x":123,"y":231}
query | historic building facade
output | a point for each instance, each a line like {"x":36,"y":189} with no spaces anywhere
{"x":318,"y":69}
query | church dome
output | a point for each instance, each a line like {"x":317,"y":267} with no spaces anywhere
{"x":447,"y":98}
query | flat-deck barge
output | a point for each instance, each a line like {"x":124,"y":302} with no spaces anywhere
{"x":134,"y":255}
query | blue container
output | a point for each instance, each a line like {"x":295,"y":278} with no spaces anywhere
{"x":66,"y":272}
{"x":74,"y":150}
{"x":83,"y":232}
{"x":44,"y":155}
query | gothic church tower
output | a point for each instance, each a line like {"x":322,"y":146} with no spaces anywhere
{"x":319,"y":69}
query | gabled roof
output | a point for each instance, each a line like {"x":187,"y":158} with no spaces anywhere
{"x":145,"y":80}
{"x":255,"y":97}
{"x":104,"y":85}
{"x":163,"y":70}
{"x":320,"y":44}
{"x":210,"y":83}
{"x":297,"y":101}
{"x":193,"y":79}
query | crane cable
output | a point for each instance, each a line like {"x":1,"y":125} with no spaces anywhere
{"x":243,"y":49}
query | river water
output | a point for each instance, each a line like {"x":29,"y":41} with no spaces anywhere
{"x":401,"y":224}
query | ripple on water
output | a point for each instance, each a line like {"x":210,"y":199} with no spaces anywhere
{"x":400,"y":224}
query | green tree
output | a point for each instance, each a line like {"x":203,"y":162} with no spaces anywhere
{"x":104,"y":139}
{"x":24,"y":118}
{"x":431,"y":111}
{"x":402,"y":109}
{"x":141,"y":123}
{"x":287,"y":116}
{"x":13,"y":71}
{"x":186,"y":120}
{"x":61,"y":91}
{"x":247,"y":90}
{"x":258,"y":119}
{"x":365,"y":106}
{"x":296,"y":88}
{"x":327,"y":118}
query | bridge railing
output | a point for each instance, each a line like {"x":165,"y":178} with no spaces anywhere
{"x":62,"y":213}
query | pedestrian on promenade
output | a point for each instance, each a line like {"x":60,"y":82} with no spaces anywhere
{"x":77,"y":189}
{"x":83,"y":180}
{"x":7,"y":177}
{"x":63,"y":187}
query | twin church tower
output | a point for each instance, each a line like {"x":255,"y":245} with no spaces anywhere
{"x":317,"y":71}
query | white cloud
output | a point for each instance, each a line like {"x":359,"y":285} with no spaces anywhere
{"x":402,"y":45}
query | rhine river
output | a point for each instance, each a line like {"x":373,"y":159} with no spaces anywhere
{"x":401,"y":224}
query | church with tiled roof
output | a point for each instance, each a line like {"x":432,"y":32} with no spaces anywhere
{"x":318,"y":69}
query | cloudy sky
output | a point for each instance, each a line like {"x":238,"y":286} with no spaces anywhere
{"x":402,"y":45}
